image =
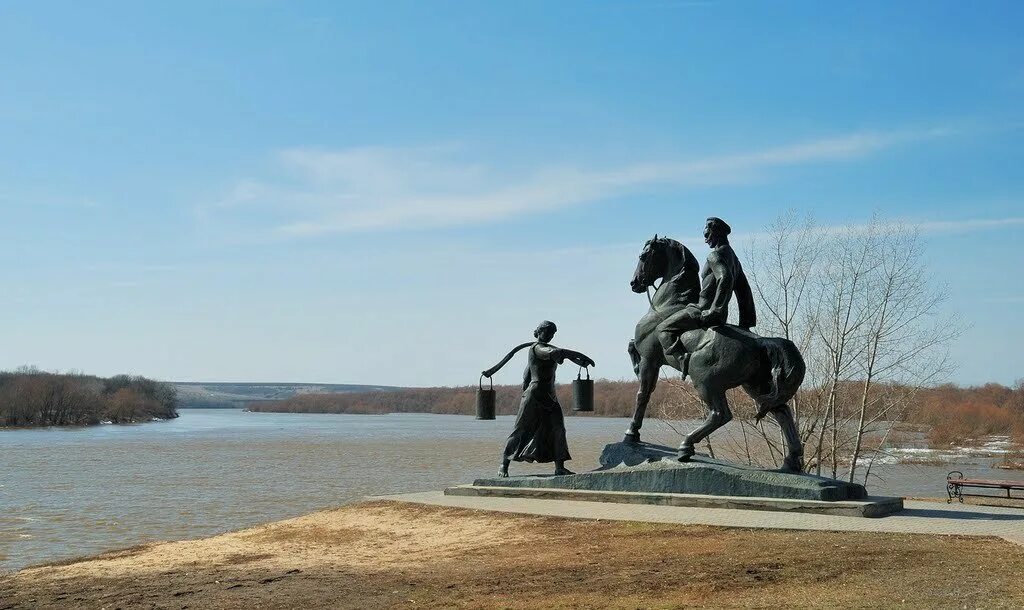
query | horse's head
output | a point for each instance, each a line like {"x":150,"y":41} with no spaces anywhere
{"x":651,"y":265}
{"x":667,"y":259}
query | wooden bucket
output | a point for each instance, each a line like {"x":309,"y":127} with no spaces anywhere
{"x":583,"y":392}
{"x":485,"y":400}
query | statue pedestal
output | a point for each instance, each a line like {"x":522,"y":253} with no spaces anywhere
{"x":644,"y":473}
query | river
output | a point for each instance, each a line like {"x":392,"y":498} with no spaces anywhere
{"x":67,"y":492}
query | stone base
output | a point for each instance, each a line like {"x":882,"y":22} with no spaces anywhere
{"x":868,"y":507}
{"x":645,"y":468}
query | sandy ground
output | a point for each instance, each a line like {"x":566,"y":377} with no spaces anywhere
{"x":384,"y":555}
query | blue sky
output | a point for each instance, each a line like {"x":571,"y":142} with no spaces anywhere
{"x":323,"y":191}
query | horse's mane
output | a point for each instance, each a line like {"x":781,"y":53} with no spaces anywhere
{"x":689,"y":261}
{"x":689,"y":270}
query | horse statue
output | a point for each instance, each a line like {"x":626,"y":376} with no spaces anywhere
{"x":722,"y":357}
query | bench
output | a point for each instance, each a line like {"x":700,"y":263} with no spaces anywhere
{"x":955,"y":484}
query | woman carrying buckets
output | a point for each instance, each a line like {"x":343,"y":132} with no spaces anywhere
{"x":539,"y":434}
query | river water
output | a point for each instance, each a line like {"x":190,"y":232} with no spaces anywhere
{"x":67,"y":492}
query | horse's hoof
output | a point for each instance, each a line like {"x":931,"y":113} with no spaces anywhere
{"x":685,"y":453}
{"x":631,"y":437}
{"x":792,"y":465}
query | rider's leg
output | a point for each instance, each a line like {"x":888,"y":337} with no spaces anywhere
{"x":672,"y":345}
{"x":671,"y":330}
{"x":670,"y":341}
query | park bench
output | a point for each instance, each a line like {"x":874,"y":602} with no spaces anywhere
{"x":955,"y":484}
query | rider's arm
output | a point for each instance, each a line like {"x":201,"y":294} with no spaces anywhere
{"x":526,"y":378}
{"x":723,"y":289}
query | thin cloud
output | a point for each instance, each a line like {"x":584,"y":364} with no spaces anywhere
{"x":939,"y":227}
{"x":968,"y":226}
{"x":1009,"y":299}
{"x":366,"y":189}
{"x":932,"y":227}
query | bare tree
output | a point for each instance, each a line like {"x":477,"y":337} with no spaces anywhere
{"x":785,"y":257}
{"x":905,"y":342}
{"x":29,"y":397}
{"x":859,"y":303}
{"x":782,"y":262}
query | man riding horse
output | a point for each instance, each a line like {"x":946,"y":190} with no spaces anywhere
{"x":685,"y":328}
{"x":721,"y":278}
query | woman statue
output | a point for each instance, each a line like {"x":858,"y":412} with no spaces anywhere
{"x":539,"y":435}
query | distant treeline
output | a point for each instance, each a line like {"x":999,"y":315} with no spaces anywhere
{"x":611,"y":399}
{"x":29,"y":397}
{"x":955,"y":414}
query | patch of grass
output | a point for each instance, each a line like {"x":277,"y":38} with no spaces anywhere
{"x":298,"y":534}
{"x":243,"y":558}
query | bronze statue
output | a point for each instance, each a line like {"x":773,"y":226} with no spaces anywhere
{"x":722,"y":277}
{"x":539,"y":433}
{"x":717,"y":356}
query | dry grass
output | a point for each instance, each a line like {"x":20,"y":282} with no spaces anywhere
{"x":383,"y":555}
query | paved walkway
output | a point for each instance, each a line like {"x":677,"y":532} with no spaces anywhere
{"x":916,"y":518}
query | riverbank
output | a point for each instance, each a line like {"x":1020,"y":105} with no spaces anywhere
{"x":386,"y":554}
{"x":107,"y":422}
{"x":213,"y":471}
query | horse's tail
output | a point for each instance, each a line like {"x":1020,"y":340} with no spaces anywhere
{"x":787,"y":372}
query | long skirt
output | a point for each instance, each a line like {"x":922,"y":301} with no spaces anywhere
{"x":539,"y":435}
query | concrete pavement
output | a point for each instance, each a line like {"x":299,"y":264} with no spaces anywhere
{"x":917,"y":518}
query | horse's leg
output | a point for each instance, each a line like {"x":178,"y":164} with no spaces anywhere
{"x":794,"y":461}
{"x":634,"y":356}
{"x":718,"y":416}
{"x":648,"y":373}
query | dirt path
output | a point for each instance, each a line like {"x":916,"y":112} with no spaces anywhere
{"x":384,"y":554}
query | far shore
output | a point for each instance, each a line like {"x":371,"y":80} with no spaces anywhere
{"x":91,"y":424}
{"x":388,"y":554}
